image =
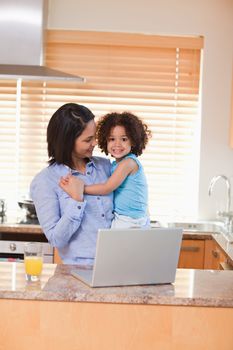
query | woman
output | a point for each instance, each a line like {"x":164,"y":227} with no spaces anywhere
{"x":70,"y":222}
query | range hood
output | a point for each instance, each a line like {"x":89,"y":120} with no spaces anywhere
{"x":22,"y":28}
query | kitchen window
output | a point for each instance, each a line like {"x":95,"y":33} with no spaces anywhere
{"x":155,"y":77}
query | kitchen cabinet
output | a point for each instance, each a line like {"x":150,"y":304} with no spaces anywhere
{"x":215,"y":258}
{"x":203,"y":254}
{"x":192,"y":254}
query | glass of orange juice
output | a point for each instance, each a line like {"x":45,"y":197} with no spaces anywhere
{"x":33,"y":261}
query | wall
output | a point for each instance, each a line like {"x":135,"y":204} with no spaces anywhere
{"x":211,"y":18}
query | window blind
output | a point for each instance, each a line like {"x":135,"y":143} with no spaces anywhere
{"x":155,"y":77}
{"x":8,"y":140}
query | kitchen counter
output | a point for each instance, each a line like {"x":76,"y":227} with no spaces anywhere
{"x":191,"y":287}
{"x":20,"y":228}
{"x":29,"y":228}
{"x":196,"y":312}
{"x":61,"y":312}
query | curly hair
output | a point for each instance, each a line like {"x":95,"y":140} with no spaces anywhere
{"x":137,"y":131}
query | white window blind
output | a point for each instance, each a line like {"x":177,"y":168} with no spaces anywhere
{"x":155,"y":77}
{"x":8,"y":140}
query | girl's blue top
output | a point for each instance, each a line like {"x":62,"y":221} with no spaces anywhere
{"x":131,"y":197}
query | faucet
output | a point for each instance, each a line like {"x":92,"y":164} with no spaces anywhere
{"x":228,"y":184}
{"x":228,"y":215}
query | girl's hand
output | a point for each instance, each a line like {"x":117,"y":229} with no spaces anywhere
{"x":73,"y":186}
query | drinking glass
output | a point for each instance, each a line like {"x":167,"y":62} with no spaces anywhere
{"x":33,"y":261}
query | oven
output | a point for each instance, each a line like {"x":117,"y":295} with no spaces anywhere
{"x":12,"y":243}
{"x":12,"y":246}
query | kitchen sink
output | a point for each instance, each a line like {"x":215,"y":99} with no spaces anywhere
{"x":197,"y":226}
{"x":203,"y":226}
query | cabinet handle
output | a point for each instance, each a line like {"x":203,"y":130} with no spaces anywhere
{"x":225,"y":266}
{"x":190,"y":249}
{"x":215,"y":253}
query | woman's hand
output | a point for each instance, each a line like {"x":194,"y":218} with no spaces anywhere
{"x":73,"y":186}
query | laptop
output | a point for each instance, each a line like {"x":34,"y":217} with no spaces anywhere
{"x":127,"y":257}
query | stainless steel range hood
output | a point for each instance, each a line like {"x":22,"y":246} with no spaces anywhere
{"x":22,"y":28}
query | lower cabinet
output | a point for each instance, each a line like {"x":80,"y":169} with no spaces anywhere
{"x":192,"y":254}
{"x":203,"y":254}
{"x":215,"y":258}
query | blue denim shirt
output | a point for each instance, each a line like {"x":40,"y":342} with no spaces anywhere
{"x":69,"y":225}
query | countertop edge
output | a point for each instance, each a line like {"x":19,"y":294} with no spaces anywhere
{"x":148,"y":300}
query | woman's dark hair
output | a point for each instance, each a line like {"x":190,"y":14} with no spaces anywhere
{"x":65,"y":125}
{"x":135,"y":129}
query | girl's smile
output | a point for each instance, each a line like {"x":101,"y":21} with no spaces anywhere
{"x":119,"y":145}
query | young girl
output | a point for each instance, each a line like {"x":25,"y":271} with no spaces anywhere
{"x":124,"y":136}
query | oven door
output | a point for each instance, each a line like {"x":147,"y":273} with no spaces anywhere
{"x":14,"y":251}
